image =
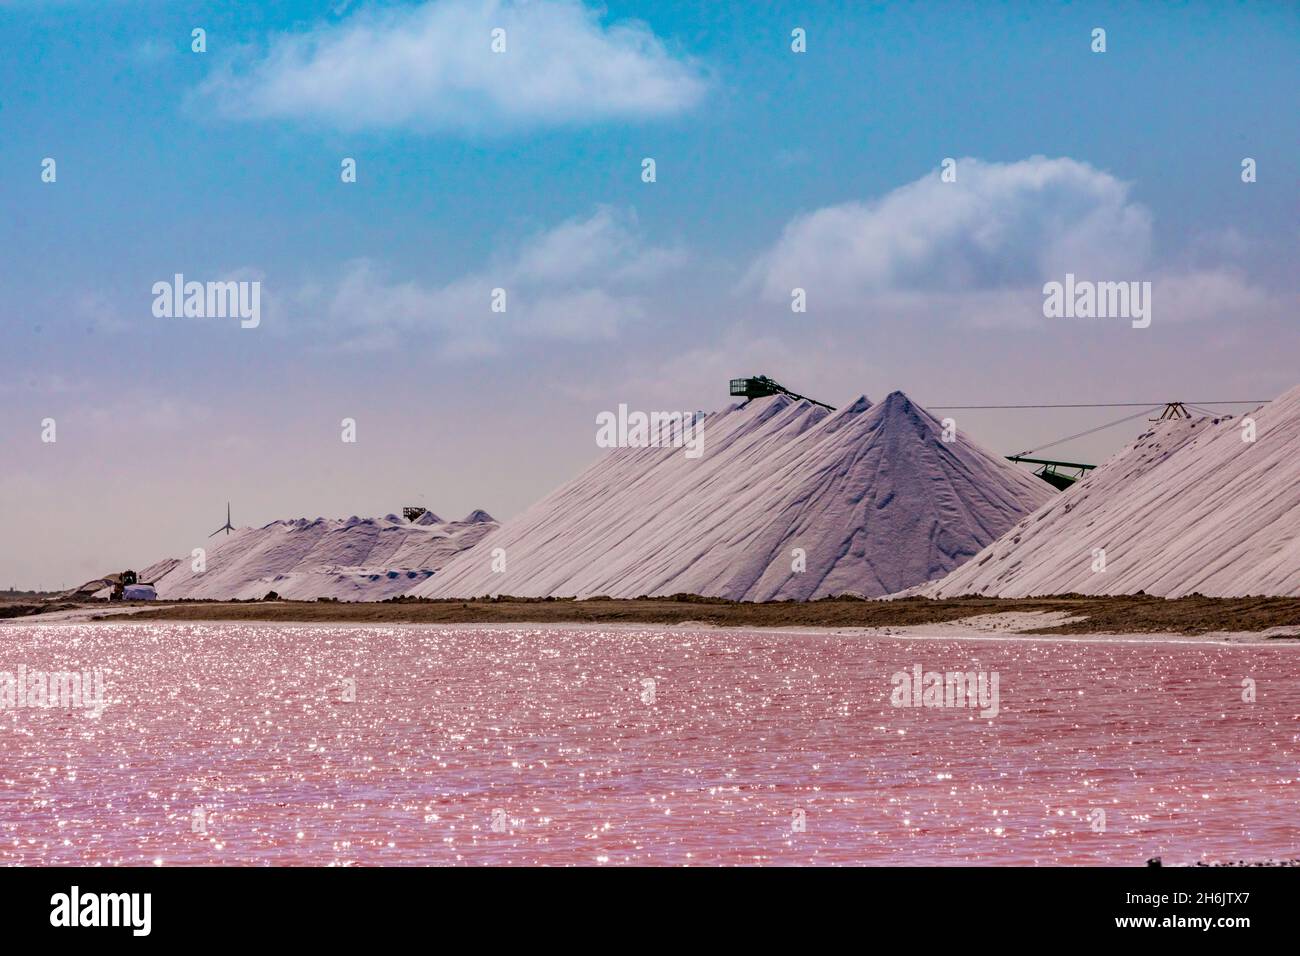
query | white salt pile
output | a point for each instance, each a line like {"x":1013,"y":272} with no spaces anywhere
{"x":1189,"y":507}
{"x":788,"y":501}
{"x":357,"y":559}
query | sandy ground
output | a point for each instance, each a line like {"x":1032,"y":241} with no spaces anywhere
{"x":1004,"y":625}
{"x":1020,"y":625}
{"x":1013,"y":625}
{"x":1238,"y":619}
{"x":78,"y":615}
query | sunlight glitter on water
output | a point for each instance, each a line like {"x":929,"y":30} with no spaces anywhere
{"x":236,"y":744}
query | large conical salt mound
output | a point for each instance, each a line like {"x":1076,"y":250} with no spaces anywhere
{"x":357,"y":559}
{"x":871,"y":496}
{"x":1189,"y":507}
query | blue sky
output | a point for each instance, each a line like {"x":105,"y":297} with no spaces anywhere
{"x":522,"y":170}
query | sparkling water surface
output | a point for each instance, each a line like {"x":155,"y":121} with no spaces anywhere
{"x":529,"y":745}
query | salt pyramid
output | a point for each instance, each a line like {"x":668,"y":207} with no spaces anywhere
{"x":1188,"y":507}
{"x":872,"y":495}
{"x":353,"y":559}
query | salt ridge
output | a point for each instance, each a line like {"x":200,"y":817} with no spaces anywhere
{"x":1188,"y":507}
{"x":352,"y":559}
{"x":871,"y":493}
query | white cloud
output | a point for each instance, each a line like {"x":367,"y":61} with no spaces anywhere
{"x":605,"y":245}
{"x":1210,"y":295}
{"x":978,"y":251}
{"x":1000,"y":226}
{"x":578,"y":282}
{"x":432,"y":67}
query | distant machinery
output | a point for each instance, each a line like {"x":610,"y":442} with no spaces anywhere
{"x":1172,"y":410}
{"x":122,"y":582}
{"x":1058,"y":474}
{"x":127,"y":586}
{"x":760,"y":386}
{"x":1062,"y":474}
{"x":1051,"y":471}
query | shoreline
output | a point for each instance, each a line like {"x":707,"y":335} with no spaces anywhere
{"x":961,"y":620}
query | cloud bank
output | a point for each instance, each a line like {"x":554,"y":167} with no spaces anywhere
{"x":432,"y":67}
{"x":977,"y":251}
{"x":580,"y":281}
{"x":999,"y":226}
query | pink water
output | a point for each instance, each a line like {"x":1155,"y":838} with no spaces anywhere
{"x":546,"y":732}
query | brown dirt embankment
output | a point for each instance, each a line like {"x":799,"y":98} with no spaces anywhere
{"x":1135,"y":614}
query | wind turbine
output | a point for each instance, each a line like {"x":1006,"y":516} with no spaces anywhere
{"x":227,"y":527}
